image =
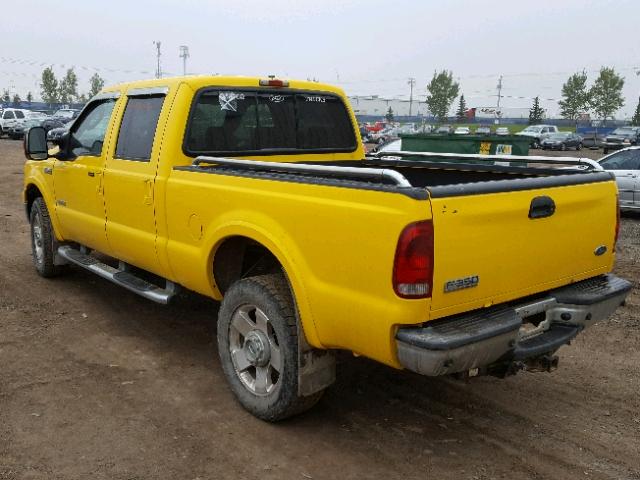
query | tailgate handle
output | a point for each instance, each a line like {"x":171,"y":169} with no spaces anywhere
{"x":542,"y":207}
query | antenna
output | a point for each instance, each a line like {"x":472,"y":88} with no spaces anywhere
{"x":158,"y":68}
{"x":184,"y":54}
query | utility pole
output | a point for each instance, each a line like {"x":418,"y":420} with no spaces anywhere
{"x":498,"y":113}
{"x":158,"y":68}
{"x":184,"y":54}
{"x":411,"y":82}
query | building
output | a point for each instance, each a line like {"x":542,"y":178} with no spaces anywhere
{"x":376,"y":106}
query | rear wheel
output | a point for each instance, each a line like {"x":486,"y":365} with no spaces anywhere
{"x":605,"y":151}
{"x":579,"y":147}
{"x":43,"y":240}
{"x":258,"y":347}
{"x":563,"y":147}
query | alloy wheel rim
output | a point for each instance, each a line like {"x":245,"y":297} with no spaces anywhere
{"x":38,"y":244}
{"x":255,"y":350}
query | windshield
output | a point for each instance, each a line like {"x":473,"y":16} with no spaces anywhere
{"x":64,"y":114}
{"x":559,"y":136}
{"x":623,"y":131}
{"x":532,"y":129}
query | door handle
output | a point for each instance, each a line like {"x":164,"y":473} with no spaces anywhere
{"x":91,"y":174}
{"x":541,"y":207}
{"x":148,"y":192}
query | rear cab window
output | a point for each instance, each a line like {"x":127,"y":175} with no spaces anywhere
{"x":138,"y":127}
{"x":254,"y":122}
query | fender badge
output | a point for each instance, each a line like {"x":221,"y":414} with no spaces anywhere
{"x":601,"y":250}
{"x":460,"y":283}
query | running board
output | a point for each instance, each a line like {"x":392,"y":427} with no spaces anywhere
{"x":122,"y":277}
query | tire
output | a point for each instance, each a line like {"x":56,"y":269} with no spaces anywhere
{"x":536,"y":144}
{"x":257,"y":318}
{"x":563,"y":147}
{"x":579,"y":147}
{"x":605,"y":151}
{"x":43,"y":241}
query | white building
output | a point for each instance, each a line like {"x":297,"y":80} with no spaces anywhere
{"x":379,"y":106}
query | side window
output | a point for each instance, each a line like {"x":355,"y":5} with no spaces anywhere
{"x":138,"y":127}
{"x":8,"y":114}
{"x":19,"y":114}
{"x":627,"y":160}
{"x":87,"y":134}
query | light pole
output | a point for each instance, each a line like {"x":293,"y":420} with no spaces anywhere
{"x":158,"y":69}
{"x":184,"y":54}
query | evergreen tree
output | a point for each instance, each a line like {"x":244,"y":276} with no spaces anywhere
{"x":49,"y":86}
{"x":389,"y":115}
{"x":536,"y":113}
{"x":461,"y":114}
{"x":575,"y":96}
{"x":606,"y":93}
{"x":29,"y":97}
{"x":6,"y":97}
{"x":97,"y":83}
{"x":636,"y":116}
{"x":442,"y":92}
{"x":16,"y":101}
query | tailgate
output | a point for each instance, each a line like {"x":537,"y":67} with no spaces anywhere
{"x":488,"y":250}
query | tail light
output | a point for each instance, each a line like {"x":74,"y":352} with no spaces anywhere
{"x":273,"y":82}
{"x":615,"y":238}
{"x":413,"y":265}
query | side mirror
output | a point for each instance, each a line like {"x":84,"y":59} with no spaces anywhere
{"x":35,"y":144}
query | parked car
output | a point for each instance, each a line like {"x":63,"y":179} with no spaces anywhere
{"x":537,"y":133}
{"x":444,"y":129}
{"x":625,"y":165}
{"x":592,"y":141}
{"x":19,"y":129}
{"x":562,"y":141}
{"x":620,"y":138}
{"x":60,"y":118}
{"x":55,"y":134}
{"x":462,"y":131}
{"x":503,"y":131}
{"x":483,"y":130}
{"x":9,"y":119}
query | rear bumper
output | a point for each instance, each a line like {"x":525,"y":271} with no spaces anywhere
{"x":509,"y":333}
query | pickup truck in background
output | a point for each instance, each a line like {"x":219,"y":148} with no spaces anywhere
{"x":537,"y":133}
{"x":257,"y":192}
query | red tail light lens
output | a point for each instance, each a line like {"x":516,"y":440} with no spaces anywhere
{"x":413,"y":265}
{"x":273,"y":82}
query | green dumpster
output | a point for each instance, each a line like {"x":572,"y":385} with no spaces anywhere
{"x":469,"y":144}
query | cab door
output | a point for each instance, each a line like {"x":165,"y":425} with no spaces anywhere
{"x":77,"y":175}
{"x":129,"y":179}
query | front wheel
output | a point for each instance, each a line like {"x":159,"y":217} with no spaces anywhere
{"x":579,"y":147}
{"x":605,"y":151}
{"x":258,"y":347}
{"x":43,"y":240}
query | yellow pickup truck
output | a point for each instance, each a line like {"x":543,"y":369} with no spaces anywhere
{"x":257,"y":192}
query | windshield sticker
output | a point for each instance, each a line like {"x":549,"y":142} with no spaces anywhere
{"x":229,"y":100}
{"x":316,"y":99}
{"x":276,"y":98}
{"x":504,"y":149}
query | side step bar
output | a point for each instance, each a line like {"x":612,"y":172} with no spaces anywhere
{"x":121,"y":277}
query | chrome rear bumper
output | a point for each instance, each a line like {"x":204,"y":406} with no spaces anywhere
{"x":510,"y":332}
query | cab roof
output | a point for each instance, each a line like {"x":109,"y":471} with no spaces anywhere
{"x":199,"y":81}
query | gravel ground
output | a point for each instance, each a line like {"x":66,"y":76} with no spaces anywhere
{"x":98,"y":383}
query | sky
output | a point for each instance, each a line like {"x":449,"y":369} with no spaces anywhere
{"x":367,"y":47}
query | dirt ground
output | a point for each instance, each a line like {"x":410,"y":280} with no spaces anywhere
{"x":98,"y":383}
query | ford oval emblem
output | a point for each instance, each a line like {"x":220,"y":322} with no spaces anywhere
{"x":601,"y":250}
